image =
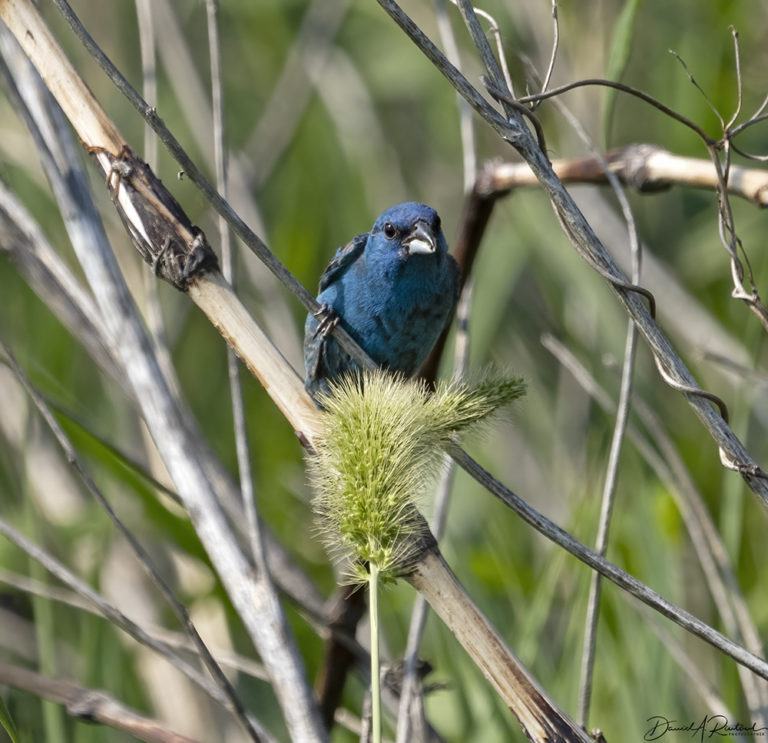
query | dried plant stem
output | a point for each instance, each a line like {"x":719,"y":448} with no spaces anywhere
{"x":89,"y":704}
{"x":217,"y":299}
{"x":601,"y":541}
{"x":258,"y":608}
{"x":541,"y":719}
{"x":645,"y":167}
{"x":228,"y":270}
{"x":512,"y":129}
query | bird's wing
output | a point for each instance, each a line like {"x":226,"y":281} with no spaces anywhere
{"x":343,"y":259}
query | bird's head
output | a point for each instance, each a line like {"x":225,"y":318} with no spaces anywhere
{"x":409,"y":229}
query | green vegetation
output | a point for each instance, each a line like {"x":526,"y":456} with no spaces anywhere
{"x":328,"y":127}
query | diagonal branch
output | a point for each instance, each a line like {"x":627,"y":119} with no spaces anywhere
{"x":215,"y":296}
{"x":616,"y":575}
{"x":159,"y":226}
{"x":89,"y":705}
{"x":587,"y":244}
{"x":645,"y":167}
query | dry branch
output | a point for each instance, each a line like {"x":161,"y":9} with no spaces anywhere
{"x":181,"y":254}
{"x":89,"y":705}
{"x":645,"y":167}
{"x":537,"y":713}
{"x":512,"y":128}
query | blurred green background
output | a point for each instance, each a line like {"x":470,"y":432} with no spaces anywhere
{"x":333,"y":116}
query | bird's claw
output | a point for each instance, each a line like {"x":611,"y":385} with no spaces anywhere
{"x":327,"y":319}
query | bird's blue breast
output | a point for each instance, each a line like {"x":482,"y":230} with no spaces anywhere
{"x":394,"y":310}
{"x":393,"y":298}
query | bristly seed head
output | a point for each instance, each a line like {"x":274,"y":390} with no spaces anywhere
{"x":381,"y":443}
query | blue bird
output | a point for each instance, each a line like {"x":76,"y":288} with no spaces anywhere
{"x":394,"y":290}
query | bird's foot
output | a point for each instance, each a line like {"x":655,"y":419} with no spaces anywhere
{"x":327,"y":319}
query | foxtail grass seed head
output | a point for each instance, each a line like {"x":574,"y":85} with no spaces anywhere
{"x":381,"y":444}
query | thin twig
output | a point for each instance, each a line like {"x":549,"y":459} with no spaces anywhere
{"x":553,"y":56}
{"x":227,"y":264}
{"x":89,"y":704}
{"x":705,"y":538}
{"x":698,"y":87}
{"x":606,"y":511}
{"x":142,"y":555}
{"x":617,"y":439}
{"x":586,"y":242}
{"x":291,"y":579}
{"x":117,"y":617}
{"x":739,"y":86}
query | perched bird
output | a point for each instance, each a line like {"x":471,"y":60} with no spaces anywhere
{"x":393,"y":289}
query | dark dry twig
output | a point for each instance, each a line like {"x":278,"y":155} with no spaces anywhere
{"x":617,"y":439}
{"x":141,"y":554}
{"x":624,"y":580}
{"x":89,"y":705}
{"x":117,"y":617}
{"x":664,"y":458}
{"x":586,"y":242}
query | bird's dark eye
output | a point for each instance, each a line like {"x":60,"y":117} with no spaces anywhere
{"x":390,"y":230}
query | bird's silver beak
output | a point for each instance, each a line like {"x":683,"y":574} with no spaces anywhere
{"x":420,"y":240}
